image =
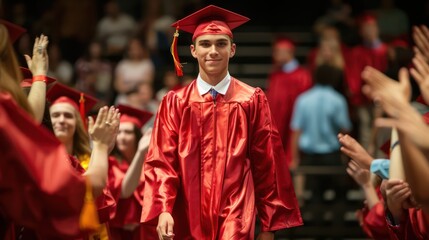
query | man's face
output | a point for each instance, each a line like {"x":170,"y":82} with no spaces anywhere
{"x":369,"y":31}
{"x":213,"y":53}
{"x":282,"y":55}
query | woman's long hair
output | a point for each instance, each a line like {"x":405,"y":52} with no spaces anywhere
{"x":81,"y":145}
{"x":10,"y":75}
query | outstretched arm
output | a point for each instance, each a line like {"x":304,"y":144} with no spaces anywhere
{"x":132,"y":177}
{"x":103,"y":132}
{"x":38,"y":65}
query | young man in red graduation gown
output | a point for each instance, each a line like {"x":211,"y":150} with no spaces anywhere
{"x":285,"y":84}
{"x":215,"y":159}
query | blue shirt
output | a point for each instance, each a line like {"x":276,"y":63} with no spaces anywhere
{"x":320,"y":113}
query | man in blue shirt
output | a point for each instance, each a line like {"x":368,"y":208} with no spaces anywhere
{"x":319,"y":115}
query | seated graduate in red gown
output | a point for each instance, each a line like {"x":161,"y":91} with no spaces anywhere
{"x":125,"y":173}
{"x":216,"y":160}
{"x":68,"y":112}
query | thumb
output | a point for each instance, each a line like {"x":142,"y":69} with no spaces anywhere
{"x":90,"y":123}
{"x":170,"y":226}
{"x":404,"y":77}
{"x":28,"y":60}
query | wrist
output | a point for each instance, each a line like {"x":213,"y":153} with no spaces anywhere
{"x":39,"y":78}
{"x":367,"y":185}
{"x":100,"y":145}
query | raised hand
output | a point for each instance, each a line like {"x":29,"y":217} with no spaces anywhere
{"x":390,"y":95}
{"x":421,"y":38}
{"x":39,"y":62}
{"x":388,"y":92}
{"x":106,"y":126}
{"x":420,"y":72}
{"x":354,"y":150}
{"x":397,"y":193}
{"x":359,"y":174}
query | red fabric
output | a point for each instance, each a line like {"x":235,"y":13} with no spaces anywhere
{"x":283,"y":89}
{"x":128,"y":211}
{"x":414,"y":226}
{"x":39,"y":189}
{"x":361,"y":57}
{"x":210,"y":20}
{"x":213,"y":163}
{"x":373,"y":221}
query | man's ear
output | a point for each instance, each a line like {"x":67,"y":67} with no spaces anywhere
{"x":233,"y":47}
{"x":192,"y":48}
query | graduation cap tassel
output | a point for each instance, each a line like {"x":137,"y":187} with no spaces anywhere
{"x":82,"y":109}
{"x":173,"y":50}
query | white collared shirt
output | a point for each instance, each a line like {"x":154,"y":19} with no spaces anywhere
{"x":203,"y":87}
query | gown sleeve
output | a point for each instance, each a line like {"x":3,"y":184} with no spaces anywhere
{"x":161,"y":164}
{"x":275,"y":197}
{"x":37,"y":189}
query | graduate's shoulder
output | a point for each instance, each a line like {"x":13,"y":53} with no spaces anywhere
{"x":245,"y":92}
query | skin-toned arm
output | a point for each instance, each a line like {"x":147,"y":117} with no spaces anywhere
{"x":102,"y":136}
{"x":402,"y":115}
{"x":132,"y":177}
{"x":354,"y":150}
{"x":416,"y":168}
{"x":38,"y":65}
{"x":363,"y":178}
{"x":412,"y":130}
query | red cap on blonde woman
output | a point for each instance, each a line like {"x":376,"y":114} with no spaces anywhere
{"x":83,"y":103}
{"x":14,"y":30}
{"x":133,"y":115}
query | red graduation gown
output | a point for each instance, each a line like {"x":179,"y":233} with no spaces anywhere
{"x":38,"y":190}
{"x":283,"y":90}
{"x":215,"y":164}
{"x":373,"y":221}
{"x":361,"y":57}
{"x":413,"y":226}
{"x":128,"y":210}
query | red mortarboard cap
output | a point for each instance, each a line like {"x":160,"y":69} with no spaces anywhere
{"x":209,"y":20}
{"x":14,"y":30}
{"x":366,"y":18}
{"x":283,"y":42}
{"x":60,"y":93}
{"x":134,"y":115}
{"x":28,"y":78}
